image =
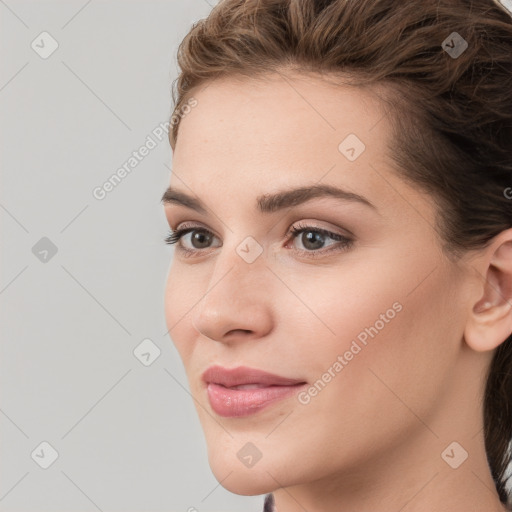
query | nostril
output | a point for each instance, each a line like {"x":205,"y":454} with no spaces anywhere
{"x":236,"y":331}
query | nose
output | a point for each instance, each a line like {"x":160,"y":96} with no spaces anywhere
{"x":237,"y":302}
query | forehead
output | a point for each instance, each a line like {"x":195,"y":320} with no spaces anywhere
{"x":276,"y":110}
{"x":278,"y":128}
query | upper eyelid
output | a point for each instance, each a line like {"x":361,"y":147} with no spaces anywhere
{"x":301,"y":225}
{"x":299,"y":212}
{"x":342,"y":242}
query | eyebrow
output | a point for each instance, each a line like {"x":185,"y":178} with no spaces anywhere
{"x":268,"y":203}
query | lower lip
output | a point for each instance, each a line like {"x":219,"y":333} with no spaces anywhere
{"x":243,"y":402}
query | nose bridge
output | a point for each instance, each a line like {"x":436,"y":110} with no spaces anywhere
{"x":242,"y":260}
{"x":238,"y":273}
{"x":236,"y":297}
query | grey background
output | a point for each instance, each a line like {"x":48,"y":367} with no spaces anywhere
{"x":127,"y":434}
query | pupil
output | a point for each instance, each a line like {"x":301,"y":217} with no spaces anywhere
{"x":199,"y":237}
{"x":313,"y":236}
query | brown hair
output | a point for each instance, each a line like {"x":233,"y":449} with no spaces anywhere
{"x":451,"y":114}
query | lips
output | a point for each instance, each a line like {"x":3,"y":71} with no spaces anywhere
{"x":243,"y":377}
{"x":243,"y":391}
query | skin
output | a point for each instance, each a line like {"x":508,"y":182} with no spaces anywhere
{"x":372,"y":438}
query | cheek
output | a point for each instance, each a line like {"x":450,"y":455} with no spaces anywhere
{"x":354,"y":303}
{"x":179,"y":299}
{"x":391,"y":339}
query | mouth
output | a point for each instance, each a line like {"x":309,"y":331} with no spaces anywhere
{"x":244,"y":376}
{"x":243,"y":391}
{"x":248,"y":386}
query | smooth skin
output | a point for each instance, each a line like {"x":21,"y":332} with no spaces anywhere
{"x":374,"y":436}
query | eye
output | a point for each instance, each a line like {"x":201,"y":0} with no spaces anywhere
{"x":312,"y":238}
{"x":199,"y":239}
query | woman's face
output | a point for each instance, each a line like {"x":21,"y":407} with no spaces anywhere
{"x":369,"y":324}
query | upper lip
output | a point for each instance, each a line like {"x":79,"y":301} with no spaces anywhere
{"x":241,"y":375}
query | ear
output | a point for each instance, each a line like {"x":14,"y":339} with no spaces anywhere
{"x":490,"y":321}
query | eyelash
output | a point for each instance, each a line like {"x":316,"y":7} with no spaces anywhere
{"x":345,"y":243}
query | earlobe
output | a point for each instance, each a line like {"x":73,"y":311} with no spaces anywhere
{"x":490,"y":322}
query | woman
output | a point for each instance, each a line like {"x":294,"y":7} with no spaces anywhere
{"x":341,"y":288}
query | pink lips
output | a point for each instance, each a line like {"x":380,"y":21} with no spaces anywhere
{"x":242,"y":391}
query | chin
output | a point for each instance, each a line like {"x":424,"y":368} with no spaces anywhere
{"x":238,"y":479}
{"x":247,"y":483}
